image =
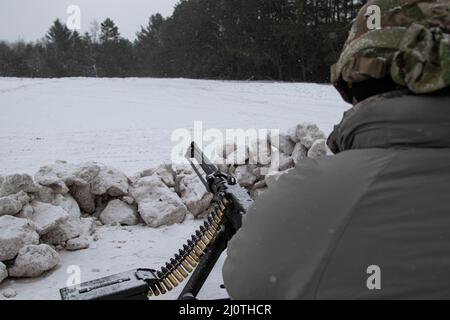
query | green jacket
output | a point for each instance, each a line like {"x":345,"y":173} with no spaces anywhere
{"x":383,"y":200}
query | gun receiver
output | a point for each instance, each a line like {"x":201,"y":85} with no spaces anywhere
{"x":198,"y":256}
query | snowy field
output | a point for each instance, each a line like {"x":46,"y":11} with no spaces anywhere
{"x":127,"y":124}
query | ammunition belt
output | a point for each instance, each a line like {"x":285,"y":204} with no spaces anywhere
{"x":184,"y":262}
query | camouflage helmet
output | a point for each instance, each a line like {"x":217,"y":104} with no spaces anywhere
{"x":410,"y":45}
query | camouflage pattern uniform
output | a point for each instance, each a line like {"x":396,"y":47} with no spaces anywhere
{"x":412,"y":47}
{"x":382,"y":202}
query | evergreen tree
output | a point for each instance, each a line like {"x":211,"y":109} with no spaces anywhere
{"x":60,"y":36}
{"x":115,"y":54}
{"x":148,"y":47}
{"x":6,"y":65}
{"x":109,"y":31}
{"x":64,"y":54}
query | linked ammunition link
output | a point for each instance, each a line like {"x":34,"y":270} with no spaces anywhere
{"x":184,"y":262}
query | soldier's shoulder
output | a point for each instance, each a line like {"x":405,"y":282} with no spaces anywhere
{"x":443,"y":94}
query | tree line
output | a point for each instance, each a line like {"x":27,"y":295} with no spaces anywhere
{"x":289,"y":40}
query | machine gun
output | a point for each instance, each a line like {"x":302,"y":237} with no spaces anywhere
{"x":198,"y":256}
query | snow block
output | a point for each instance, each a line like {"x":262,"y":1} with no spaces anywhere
{"x":157,"y":204}
{"x":34,"y":260}
{"x":15,"y":233}
{"x":118,"y":211}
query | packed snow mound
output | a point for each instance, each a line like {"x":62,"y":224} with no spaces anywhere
{"x":157,"y":204}
{"x":47,"y":216}
{"x":13,"y":204}
{"x":119,"y":212}
{"x":3,"y":272}
{"x":257,"y":174}
{"x":14,"y":183}
{"x":193,"y":193}
{"x":33,"y":260}
{"x":84,"y":182}
{"x":15,"y":233}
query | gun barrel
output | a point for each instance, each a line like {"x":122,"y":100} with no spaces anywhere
{"x":194,"y":152}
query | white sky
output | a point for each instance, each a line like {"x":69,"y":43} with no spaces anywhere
{"x":30,"y":19}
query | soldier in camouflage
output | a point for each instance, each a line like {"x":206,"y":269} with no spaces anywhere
{"x":372,"y":221}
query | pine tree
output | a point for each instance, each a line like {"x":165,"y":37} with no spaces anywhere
{"x":115,"y":54}
{"x":60,"y":36}
{"x":65,"y":54}
{"x":148,"y":47}
{"x":109,"y":31}
{"x":6,"y":66}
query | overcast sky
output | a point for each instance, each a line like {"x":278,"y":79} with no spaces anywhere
{"x":30,"y":19}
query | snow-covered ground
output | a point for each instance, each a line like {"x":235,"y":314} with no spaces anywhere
{"x":127,"y":124}
{"x":118,"y":249}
